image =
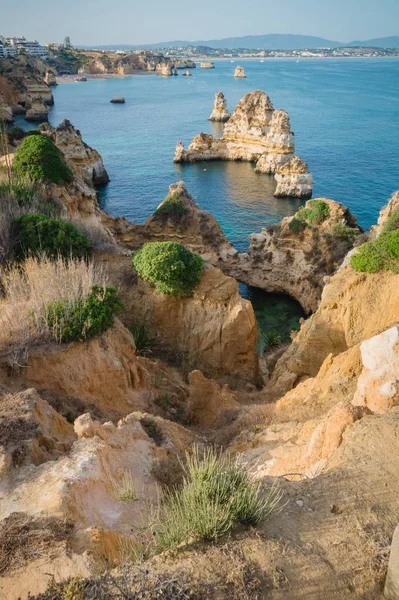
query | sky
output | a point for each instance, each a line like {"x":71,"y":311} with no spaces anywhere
{"x":148,"y":21}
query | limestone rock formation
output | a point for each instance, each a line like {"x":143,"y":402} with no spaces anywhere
{"x":207,"y":65}
{"x":294,"y":180}
{"x":164,"y":69}
{"x":220,"y":112}
{"x":255,"y":132}
{"x":239,"y":73}
{"x":38,"y":112}
{"x":50,"y":78}
{"x":281,"y":259}
{"x":6,"y":113}
{"x":208,"y":400}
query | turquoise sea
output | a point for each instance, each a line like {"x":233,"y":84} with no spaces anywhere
{"x":344,"y":112}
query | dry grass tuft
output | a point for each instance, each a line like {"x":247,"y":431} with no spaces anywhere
{"x":28,"y":289}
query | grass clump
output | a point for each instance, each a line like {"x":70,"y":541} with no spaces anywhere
{"x":143,"y":338}
{"x":217,"y":494}
{"x":381,"y":254}
{"x":125,"y":491}
{"x":39,"y":159}
{"x":84,"y":317}
{"x":272,"y":339}
{"x":152,"y":429}
{"x":37,"y":235}
{"x":172,"y":207}
{"x":169,"y":266}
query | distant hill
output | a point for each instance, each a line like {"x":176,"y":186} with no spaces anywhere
{"x":271,"y":41}
{"x":387,"y":42}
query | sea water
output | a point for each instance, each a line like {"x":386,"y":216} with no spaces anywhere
{"x":344,"y":113}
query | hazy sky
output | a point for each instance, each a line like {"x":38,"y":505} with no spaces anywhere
{"x":145,"y":21}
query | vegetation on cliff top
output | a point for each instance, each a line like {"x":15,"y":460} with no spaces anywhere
{"x":381,"y":254}
{"x":84,"y":317}
{"x":39,"y":159}
{"x":37,"y":235}
{"x":169,"y":266}
{"x":314,"y":213}
{"x":217,"y":495}
{"x":172,"y":207}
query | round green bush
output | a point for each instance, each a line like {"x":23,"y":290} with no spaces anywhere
{"x":381,"y":254}
{"x":38,"y":235}
{"x":83,"y":318}
{"x":169,"y":266}
{"x":315,"y":212}
{"x":39,"y":159}
{"x":172,"y":207}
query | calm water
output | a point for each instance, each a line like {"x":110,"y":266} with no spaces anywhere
{"x":345,"y":115}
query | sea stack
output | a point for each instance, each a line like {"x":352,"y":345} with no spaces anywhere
{"x":294,"y":180}
{"x":239,"y":73}
{"x":207,"y":65}
{"x":118,"y":100}
{"x":220,"y":112}
{"x":164,"y":69}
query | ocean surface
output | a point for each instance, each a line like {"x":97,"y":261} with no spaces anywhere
{"x":344,"y":112}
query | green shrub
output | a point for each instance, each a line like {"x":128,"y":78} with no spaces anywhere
{"x":152,"y":429}
{"x":40,"y":160}
{"x":342,"y":230}
{"x":84,"y":318}
{"x":272,"y":339}
{"x":169,"y":266}
{"x":315,"y":212}
{"x":143,"y":338}
{"x":392,"y":223}
{"x":296,"y":225}
{"x":172,"y":206}
{"x":216,"y":495}
{"x":381,"y":254}
{"x":27,"y":194}
{"x":38,"y":235}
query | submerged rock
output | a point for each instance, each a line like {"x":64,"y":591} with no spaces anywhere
{"x":118,"y":100}
{"x":239,"y":73}
{"x":187,"y":73}
{"x":220,"y":112}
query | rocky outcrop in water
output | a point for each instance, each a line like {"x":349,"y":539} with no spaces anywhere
{"x":239,"y":73}
{"x":220,"y":112}
{"x":164,"y":69}
{"x":294,"y":180}
{"x":255,"y":132}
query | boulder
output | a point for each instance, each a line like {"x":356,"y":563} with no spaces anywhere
{"x":293,"y":179}
{"x":118,"y":100}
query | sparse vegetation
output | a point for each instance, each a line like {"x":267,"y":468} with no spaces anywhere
{"x":169,"y":266}
{"x":143,"y":338}
{"x":152,"y":429}
{"x":272,"y":339}
{"x":84,"y":317}
{"x":392,"y":223}
{"x":125,"y":490}
{"x":38,"y":235}
{"x":163,"y":400}
{"x":342,"y":230}
{"x":28,"y":289}
{"x":381,"y":254}
{"x":217,"y":494}
{"x":172,"y":207}
{"x":296,"y":225}
{"x":39,"y":159}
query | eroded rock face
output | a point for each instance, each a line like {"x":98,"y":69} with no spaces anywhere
{"x":220,"y":112}
{"x":255,"y":132}
{"x":37,"y":112}
{"x":164,"y":69}
{"x":281,"y":259}
{"x":239,"y":73}
{"x":208,"y":400}
{"x":378,"y":384}
{"x":5,"y":111}
{"x":294,"y":180}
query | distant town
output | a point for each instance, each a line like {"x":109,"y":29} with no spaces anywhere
{"x":11,"y":46}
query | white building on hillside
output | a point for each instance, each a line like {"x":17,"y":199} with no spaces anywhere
{"x":21,"y":44}
{"x":6,"y":51}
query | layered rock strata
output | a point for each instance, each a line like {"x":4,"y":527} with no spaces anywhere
{"x":294,"y":180}
{"x":220,"y":112}
{"x":255,"y":132}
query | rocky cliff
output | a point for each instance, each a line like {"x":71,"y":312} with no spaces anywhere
{"x":23,"y":88}
{"x":99,"y":63}
{"x":255,"y":132}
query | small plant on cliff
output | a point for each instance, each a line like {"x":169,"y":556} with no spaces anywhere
{"x":296,"y":225}
{"x":314,"y":213}
{"x":36,"y":234}
{"x":392,"y":223}
{"x":217,"y":494}
{"x":169,"y":266}
{"x":39,"y":159}
{"x":172,"y":206}
{"x":272,"y":339}
{"x":143,"y":338}
{"x":342,"y":231}
{"x":84,"y":317}
{"x":381,"y":254}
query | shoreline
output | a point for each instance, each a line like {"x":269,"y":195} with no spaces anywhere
{"x":90,"y":77}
